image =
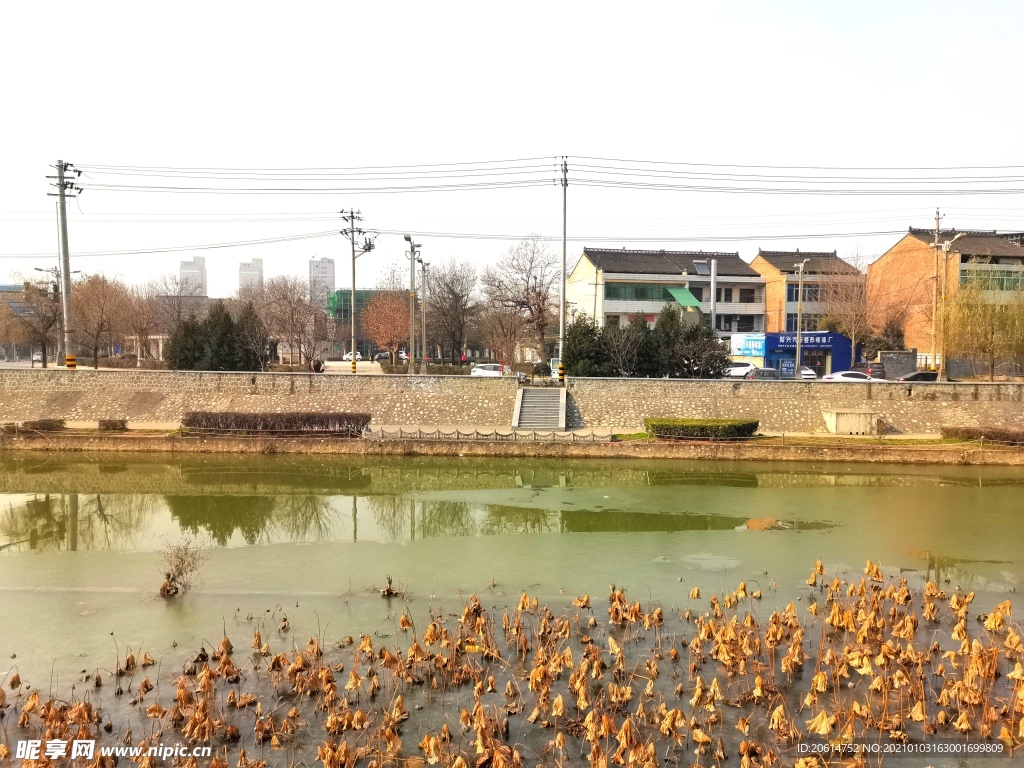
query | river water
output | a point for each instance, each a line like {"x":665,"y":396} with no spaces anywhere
{"x":314,"y":539}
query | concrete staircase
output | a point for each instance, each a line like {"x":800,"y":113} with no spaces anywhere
{"x":540,"y":408}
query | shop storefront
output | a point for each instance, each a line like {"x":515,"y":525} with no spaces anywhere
{"x":822,"y":351}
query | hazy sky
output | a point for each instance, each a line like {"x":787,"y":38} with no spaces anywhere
{"x":908,"y":85}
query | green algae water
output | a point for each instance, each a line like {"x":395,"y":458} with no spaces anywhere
{"x":312,"y":541}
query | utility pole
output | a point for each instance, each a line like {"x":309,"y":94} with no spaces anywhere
{"x":797,"y":371}
{"x":352,"y":217}
{"x":935,"y":287}
{"x":412,"y":297}
{"x":943,"y":373}
{"x":65,"y":189}
{"x":561,"y":287}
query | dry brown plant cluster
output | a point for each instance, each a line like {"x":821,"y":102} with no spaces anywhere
{"x":716,"y":683}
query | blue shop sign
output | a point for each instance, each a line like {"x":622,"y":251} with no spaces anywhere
{"x":811,"y":340}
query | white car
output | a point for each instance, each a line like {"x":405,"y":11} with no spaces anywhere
{"x":849,"y":376}
{"x":486,"y":369}
{"x":807,"y":373}
{"x":738,"y":370}
{"x":37,"y":357}
{"x":348,"y":356}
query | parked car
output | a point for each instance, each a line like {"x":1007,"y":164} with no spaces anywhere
{"x":37,"y":357}
{"x":849,"y":376}
{"x":920,"y":376}
{"x":807,"y":373}
{"x":875,"y":370}
{"x":348,"y":356}
{"x":486,"y":369}
{"x":762,"y":373}
{"x":402,"y":355}
{"x":739,"y":370}
{"x":382,"y":356}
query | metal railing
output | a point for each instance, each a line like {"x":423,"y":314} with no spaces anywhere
{"x":494,"y":435}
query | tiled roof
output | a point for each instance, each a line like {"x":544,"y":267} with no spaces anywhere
{"x":818,"y":262}
{"x":975,"y":242}
{"x":665,"y":262}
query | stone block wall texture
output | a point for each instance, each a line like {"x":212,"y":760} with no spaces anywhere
{"x":793,"y":406}
{"x":163,"y":396}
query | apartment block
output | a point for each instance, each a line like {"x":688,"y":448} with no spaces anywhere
{"x":780,"y":273}
{"x":193,"y":274}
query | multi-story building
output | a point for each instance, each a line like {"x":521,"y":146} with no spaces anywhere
{"x":193,"y":274}
{"x":614,"y":285}
{"x":321,"y":281}
{"x":780,"y":273}
{"x":250,"y":274}
{"x":907,"y":281}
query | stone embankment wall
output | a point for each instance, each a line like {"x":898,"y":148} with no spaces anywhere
{"x":163,"y":396}
{"x":793,"y":406}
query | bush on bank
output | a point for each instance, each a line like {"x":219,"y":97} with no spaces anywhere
{"x":44,"y":425}
{"x":280,"y":424}
{"x":995,"y":434}
{"x":715,"y":429}
{"x":113,"y":425}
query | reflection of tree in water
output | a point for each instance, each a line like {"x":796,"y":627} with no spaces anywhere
{"x":76,"y":522}
{"x":303,"y":518}
{"x":221,"y":516}
{"x":391,"y":514}
{"x":503,"y":519}
{"x":438,"y":519}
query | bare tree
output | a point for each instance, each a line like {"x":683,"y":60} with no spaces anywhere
{"x":843,"y":296}
{"x":175,"y":299}
{"x":141,"y":317}
{"x":503,"y":328}
{"x":98,"y":304}
{"x":452,"y":304}
{"x":623,"y":344}
{"x":287,"y":298}
{"x":37,"y":318}
{"x":524,"y":280}
{"x":974,"y":325}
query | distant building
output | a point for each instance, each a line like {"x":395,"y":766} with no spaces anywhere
{"x":905,"y":280}
{"x":250,"y":274}
{"x":614,"y":285}
{"x":321,"y":281}
{"x":781,"y":285}
{"x":193,"y":273}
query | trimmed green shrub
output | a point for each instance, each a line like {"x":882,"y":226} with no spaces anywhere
{"x":714,"y":429}
{"x":278,"y":424}
{"x":435,"y":369}
{"x":44,"y":425}
{"x":995,"y":434}
{"x":113,"y":425}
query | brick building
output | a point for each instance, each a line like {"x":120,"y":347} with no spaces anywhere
{"x":904,"y":282}
{"x":781,"y":285}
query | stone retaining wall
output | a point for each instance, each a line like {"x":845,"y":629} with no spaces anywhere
{"x":163,"y":396}
{"x":793,"y":406}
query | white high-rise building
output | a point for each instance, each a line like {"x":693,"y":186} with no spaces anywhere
{"x":321,"y":281}
{"x":250,"y":274}
{"x":193,"y":273}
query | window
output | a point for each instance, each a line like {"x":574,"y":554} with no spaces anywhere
{"x":993,"y":279}
{"x":725,"y":294}
{"x":698,"y":292}
{"x":810,"y":321}
{"x":745,"y":324}
{"x":611,"y":321}
{"x":811,"y":292}
{"x":747,"y":295}
{"x":639,"y":291}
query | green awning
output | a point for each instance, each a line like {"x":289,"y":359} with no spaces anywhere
{"x":684,"y":297}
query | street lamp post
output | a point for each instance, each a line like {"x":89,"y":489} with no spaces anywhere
{"x":423,"y":309}
{"x":413,"y":253}
{"x":367,"y":246}
{"x":797,"y":372}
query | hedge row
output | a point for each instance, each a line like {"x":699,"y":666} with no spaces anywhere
{"x":715,"y":429}
{"x":113,"y":425}
{"x":436,"y":369}
{"x":85,"y":361}
{"x":995,"y":434}
{"x":280,"y":424}
{"x":44,"y":425}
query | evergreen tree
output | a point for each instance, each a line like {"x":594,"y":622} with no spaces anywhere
{"x":185,"y":346}
{"x":668,"y":330}
{"x":584,"y":353}
{"x":220,"y":341}
{"x":700,"y":354}
{"x":253,"y":340}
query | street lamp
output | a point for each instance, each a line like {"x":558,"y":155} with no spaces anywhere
{"x":944,"y":246}
{"x":423,"y":308}
{"x":413,"y":254}
{"x":797,"y":372}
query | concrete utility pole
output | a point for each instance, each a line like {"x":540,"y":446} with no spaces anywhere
{"x":935,"y":287}
{"x":412,"y":297}
{"x":423,"y":310}
{"x":561,"y":291}
{"x":352,"y":217}
{"x":63,"y":187}
{"x":797,"y":372}
{"x":943,"y":370}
